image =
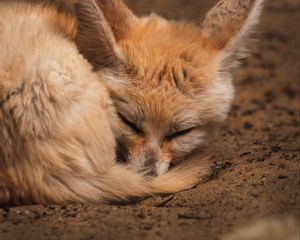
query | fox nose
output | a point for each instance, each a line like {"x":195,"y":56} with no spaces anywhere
{"x":150,"y":157}
{"x":150,"y":161}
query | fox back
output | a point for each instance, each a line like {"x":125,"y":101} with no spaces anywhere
{"x":58,"y":125}
{"x":149,"y":89}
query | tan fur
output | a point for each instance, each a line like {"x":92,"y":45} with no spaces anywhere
{"x":59,"y":125}
{"x":177,"y":76}
{"x":57,"y":122}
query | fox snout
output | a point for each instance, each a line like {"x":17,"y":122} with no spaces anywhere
{"x":157,"y":161}
{"x":150,"y":157}
{"x":146,"y":158}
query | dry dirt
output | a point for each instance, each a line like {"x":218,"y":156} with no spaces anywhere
{"x":256,"y":153}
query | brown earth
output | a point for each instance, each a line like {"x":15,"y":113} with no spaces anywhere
{"x":256,"y":153}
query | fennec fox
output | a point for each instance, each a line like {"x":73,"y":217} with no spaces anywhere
{"x":178,"y":75}
{"x":169,"y":82}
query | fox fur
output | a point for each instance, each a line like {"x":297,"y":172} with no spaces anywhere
{"x":82,"y":89}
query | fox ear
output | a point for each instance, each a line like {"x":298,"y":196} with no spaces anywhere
{"x":94,"y":36}
{"x":228,"y":26}
{"x":119,"y":16}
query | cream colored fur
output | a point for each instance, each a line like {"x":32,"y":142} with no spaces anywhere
{"x":59,"y":127}
{"x":57,"y":144}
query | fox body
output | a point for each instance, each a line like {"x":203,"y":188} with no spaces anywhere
{"x":75,"y":89}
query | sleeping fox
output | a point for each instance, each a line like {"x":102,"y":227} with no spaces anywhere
{"x":82,"y":90}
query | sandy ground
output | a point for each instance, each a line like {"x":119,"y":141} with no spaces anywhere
{"x":256,"y":153}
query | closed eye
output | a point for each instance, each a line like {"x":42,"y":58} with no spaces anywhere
{"x":180,"y":133}
{"x":131,"y":125}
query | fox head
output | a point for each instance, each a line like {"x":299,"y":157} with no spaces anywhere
{"x":171,"y":82}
